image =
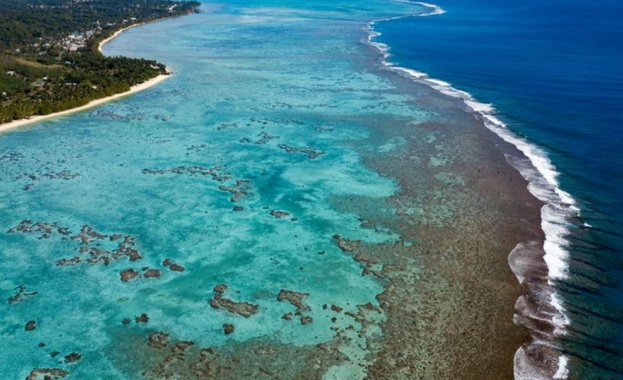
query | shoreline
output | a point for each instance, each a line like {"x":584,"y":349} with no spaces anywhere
{"x":531,"y":258}
{"x":447,"y":299}
{"x":94,"y":103}
{"x":115,"y":34}
{"x":459,"y":321}
{"x":535,"y":261}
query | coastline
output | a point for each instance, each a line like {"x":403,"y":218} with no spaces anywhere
{"x":450,"y":315}
{"x":447,"y":291}
{"x":115,"y":34}
{"x":537,"y":262}
{"x":539,"y":257}
{"x":94,"y":103}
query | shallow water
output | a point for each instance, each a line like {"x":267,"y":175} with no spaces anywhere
{"x":266,"y":163}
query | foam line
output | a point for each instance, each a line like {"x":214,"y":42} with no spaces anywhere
{"x":539,"y":171}
{"x":435,"y":9}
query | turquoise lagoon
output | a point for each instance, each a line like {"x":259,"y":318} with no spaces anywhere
{"x":249,"y":168}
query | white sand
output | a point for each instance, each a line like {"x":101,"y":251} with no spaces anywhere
{"x":93,"y":103}
{"x":118,"y":32}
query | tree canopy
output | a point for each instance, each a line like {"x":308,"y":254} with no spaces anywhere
{"x":49,"y":60}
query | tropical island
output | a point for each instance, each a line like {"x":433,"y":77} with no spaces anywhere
{"x":49,"y":52}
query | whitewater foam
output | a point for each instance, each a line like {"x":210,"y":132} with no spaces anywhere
{"x":562,"y":372}
{"x":559,"y":206}
{"x":435,"y":9}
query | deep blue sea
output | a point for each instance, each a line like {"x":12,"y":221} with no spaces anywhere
{"x":553,"y":71}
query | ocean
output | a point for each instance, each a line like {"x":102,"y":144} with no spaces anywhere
{"x":324,"y":190}
{"x":552,"y":72}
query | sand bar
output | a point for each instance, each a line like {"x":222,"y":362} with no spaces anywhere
{"x":94,"y":103}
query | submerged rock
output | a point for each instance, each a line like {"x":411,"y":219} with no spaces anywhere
{"x":73,"y":357}
{"x":279,"y":214}
{"x":336,"y":308}
{"x":228,"y":328}
{"x":47,"y":374}
{"x":143,"y":318}
{"x":158,"y":340}
{"x":297,"y":299}
{"x":87,"y":235}
{"x":311,"y":153}
{"x":172,"y":266}
{"x":182,"y":346}
{"x":177,"y":268}
{"x":128,"y":274}
{"x":345,"y":245}
{"x":151,"y":273}
{"x":21,"y":295}
{"x":306,"y":320}
{"x":241,"y":308}
{"x":220,"y":288}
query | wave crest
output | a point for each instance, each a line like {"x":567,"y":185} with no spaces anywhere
{"x":537,"y":265}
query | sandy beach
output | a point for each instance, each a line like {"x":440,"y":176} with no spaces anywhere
{"x":93,"y":103}
{"x":118,"y":32}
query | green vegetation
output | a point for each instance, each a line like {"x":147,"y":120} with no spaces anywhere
{"x":49,"y":60}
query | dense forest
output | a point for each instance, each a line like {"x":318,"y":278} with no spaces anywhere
{"x":49,"y":59}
